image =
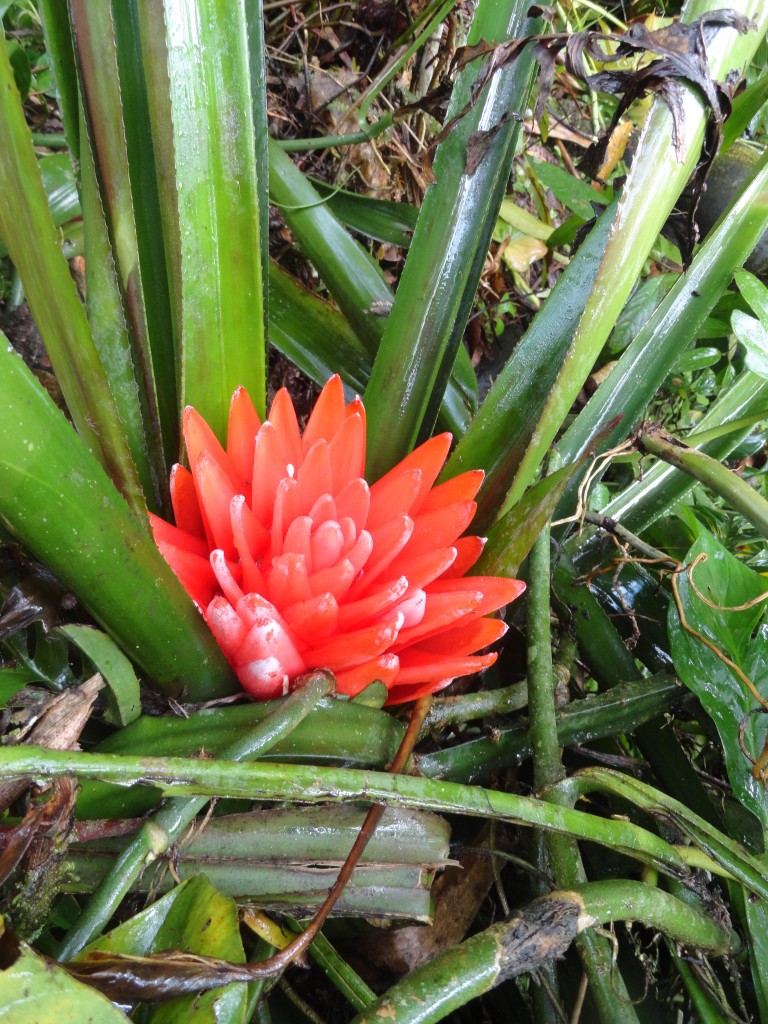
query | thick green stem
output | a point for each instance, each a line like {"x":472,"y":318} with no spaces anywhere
{"x":177,"y":776}
{"x":609,"y":993}
{"x":532,"y":937}
{"x":710,"y":472}
{"x":160,"y":831}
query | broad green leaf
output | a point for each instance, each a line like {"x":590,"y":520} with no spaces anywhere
{"x":753,"y":335}
{"x":59,"y":503}
{"x":30,"y":236}
{"x":755,"y":292}
{"x":12,"y":680}
{"x":523,"y":221}
{"x":201,"y":112}
{"x":33,"y":990}
{"x":742,"y":637}
{"x":424,"y":330}
{"x":151,"y":253}
{"x":381,"y":219}
{"x":58,"y":44}
{"x":313,"y":334}
{"x":697,"y":359}
{"x":744,"y":108}
{"x":572,"y":192}
{"x":107,"y":320}
{"x":123,"y":698}
{"x":105,"y":134}
{"x":193,"y":918}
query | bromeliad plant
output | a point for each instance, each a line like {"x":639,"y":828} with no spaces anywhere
{"x":342,"y":547}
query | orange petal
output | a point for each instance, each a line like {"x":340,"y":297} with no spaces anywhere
{"x":393,"y":495}
{"x":315,"y":479}
{"x":288,"y":580}
{"x":312,"y":620}
{"x":466,"y":639}
{"x":186,"y":508}
{"x":418,"y":667}
{"x":496,"y":590}
{"x":164,"y":533}
{"x":468,"y":550}
{"x":327,"y":416}
{"x":423,"y":569}
{"x":387,"y":541}
{"x":298,"y":537}
{"x":439,"y":528}
{"x":269,"y":469}
{"x":352,"y":681}
{"x":225,"y":575}
{"x":460,"y":488}
{"x":283,"y":415}
{"x":244,"y":424}
{"x":250,"y":539}
{"x":200,"y":438}
{"x":428,"y":458}
{"x":350,"y":649}
{"x":442,"y":612}
{"x":336,"y":580}
{"x":194,"y":573}
{"x":226,"y":625}
{"x":358,"y":613}
{"x":269,"y":639}
{"x":286,"y":511}
{"x":216,"y":494}
{"x":347,"y":450}
{"x":327,"y":544}
{"x":354,"y":502}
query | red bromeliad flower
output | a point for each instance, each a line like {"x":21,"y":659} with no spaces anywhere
{"x":298,"y":564}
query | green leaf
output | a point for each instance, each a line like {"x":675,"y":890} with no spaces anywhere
{"x":56,"y":499}
{"x":513,"y":536}
{"x":193,"y":918}
{"x":572,"y":192}
{"x":123,"y":699}
{"x":754,"y":291}
{"x":753,"y":335}
{"x":502,"y":429}
{"x":22,"y":72}
{"x":49,"y":993}
{"x":199,"y":85}
{"x":673,"y":326}
{"x":656,"y":178}
{"x":50,"y":291}
{"x":742,"y":637}
{"x":424,"y":330}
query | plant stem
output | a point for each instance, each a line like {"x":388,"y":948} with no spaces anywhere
{"x":164,"y":827}
{"x":531,"y":937}
{"x":608,"y":989}
{"x":708,"y":471}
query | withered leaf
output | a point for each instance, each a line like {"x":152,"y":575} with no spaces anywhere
{"x":681,"y":55}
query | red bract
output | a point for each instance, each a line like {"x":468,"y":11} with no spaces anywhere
{"x":298,"y":564}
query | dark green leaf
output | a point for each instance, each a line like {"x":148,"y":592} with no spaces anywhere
{"x":742,"y":637}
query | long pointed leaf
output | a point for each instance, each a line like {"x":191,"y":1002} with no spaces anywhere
{"x":28,"y":232}
{"x":96,"y":48}
{"x":197,"y":57}
{"x":444,"y":263}
{"x":653,"y":184}
{"x":672,"y":327}
{"x":56,"y":499}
